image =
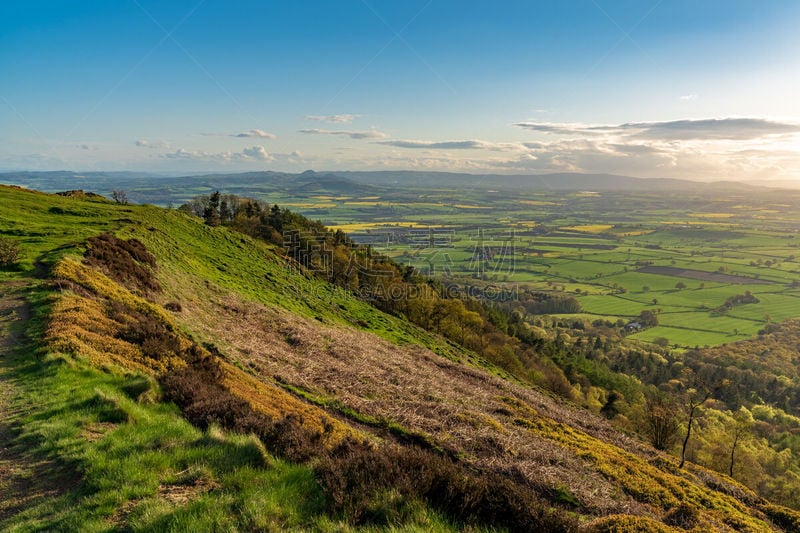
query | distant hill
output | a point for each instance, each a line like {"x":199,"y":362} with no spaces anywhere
{"x":570,"y":181}
{"x":161,"y":190}
{"x":777,"y":184}
{"x":151,"y":188}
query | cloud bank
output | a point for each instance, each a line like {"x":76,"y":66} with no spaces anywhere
{"x":154,"y":145}
{"x":453,"y":145}
{"x":714,"y":148}
{"x":367,"y":134}
{"x":689,"y":129}
{"x":261,"y":134}
{"x":254,"y":133}
{"x":252,"y":154}
{"x":333,"y":119}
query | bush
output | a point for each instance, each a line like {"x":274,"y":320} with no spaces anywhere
{"x":9,"y":252}
{"x":788,"y":519}
{"x":173,"y":306}
{"x":356,"y":476}
{"x":155,"y":338}
{"x":622,"y":523}
{"x":661,"y":341}
{"x":683,"y":516}
{"x":127,"y":262}
{"x":199,"y":391}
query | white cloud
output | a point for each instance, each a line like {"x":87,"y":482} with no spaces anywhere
{"x":256,"y":133}
{"x":563,"y":128}
{"x":257,"y":152}
{"x":333,"y":119}
{"x":688,"y":129}
{"x":182,"y":153}
{"x":689,"y":97}
{"x":367,"y":134}
{"x":252,"y":154}
{"x":705,"y":149}
{"x":708,"y":160}
{"x":472,"y":144}
{"x":737,"y":129}
{"x":155,"y":145}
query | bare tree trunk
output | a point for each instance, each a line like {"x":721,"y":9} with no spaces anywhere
{"x":688,"y":434}
{"x":733,"y":451}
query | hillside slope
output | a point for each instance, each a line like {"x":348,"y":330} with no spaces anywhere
{"x":287,"y":348}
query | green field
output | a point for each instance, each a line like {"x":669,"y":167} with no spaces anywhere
{"x":592,"y":248}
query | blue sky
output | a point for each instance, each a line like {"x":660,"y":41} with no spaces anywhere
{"x":699,"y":90}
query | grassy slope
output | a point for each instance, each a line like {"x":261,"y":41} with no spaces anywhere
{"x":86,"y":449}
{"x":217,"y":274}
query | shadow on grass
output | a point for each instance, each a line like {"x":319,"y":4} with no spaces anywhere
{"x":28,"y":477}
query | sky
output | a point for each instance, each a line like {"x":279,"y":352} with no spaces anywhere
{"x":701,"y":90}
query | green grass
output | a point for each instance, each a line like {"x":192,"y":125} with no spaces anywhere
{"x":229,"y":260}
{"x":117,"y":461}
{"x":122,"y":476}
{"x":113,"y":459}
{"x":136,"y":450}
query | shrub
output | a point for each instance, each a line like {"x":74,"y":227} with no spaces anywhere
{"x":660,"y":422}
{"x":683,"y":516}
{"x":127,"y":262}
{"x":173,"y":306}
{"x":199,"y":391}
{"x":9,"y":252}
{"x":155,"y":338}
{"x":621,"y":523}
{"x":788,"y":519}
{"x":661,"y":341}
{"x":119,"y":196}
{"x":739,"y":299}
{"x":355,"y":476}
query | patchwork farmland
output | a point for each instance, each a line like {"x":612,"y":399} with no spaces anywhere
{"x":617,"y":253}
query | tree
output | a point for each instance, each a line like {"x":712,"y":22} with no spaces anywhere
{"x":660,"y":420}
{"x":743,"y":424}
{"x":211,"y":211}
{"x":463,"y":321}
{"x":9,"y":252}
{"x":680,"y":285}
{"x":119,"y":196}
{"x":696,"y":395}
{"x":225,"y":212}
{"x":661,"y":341}
{"x":610,"y":409}
{"x":648,"y":318}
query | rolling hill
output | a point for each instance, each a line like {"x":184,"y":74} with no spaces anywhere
{"x":160,"y":373}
